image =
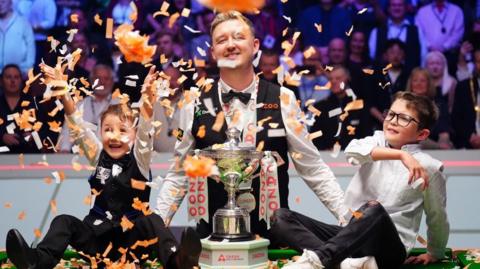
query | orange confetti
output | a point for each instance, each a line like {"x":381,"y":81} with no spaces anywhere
{"x":314,"y":135}
{"x":133,"y":46}
{"x":21,"y":160}
{"x":217,"y":126}
{"x":126,"y":224}
{"x":107,"y":250}
{"x":422,"y":240}
{"x":7,"y":205}
{"x":248,"y":6}
{"x":138,"y":184}
{"x":37,"y":233}
{"x":22,"y":215}
{"x":185,"y":12}
{"x":134,"y":15}
{"x":53,"y":206}
{"x":87,"y":200}
{"x":297,"y":199}
{"x":74,"y":18}
{"x":356,"y":214}
{"x":368,"y":71}
{"x":319,"y":27}
{"x":198,"y":166}
{"x":48,"y":180}
{"x":201,"y":132}
{"x":25,"y":103}
{"x":260,"y":145}
{"x":1,"y":121}
{"x":109,"y":28}
{"x":351,"y":130}
{"x":173,"y":19}
{"x":285,"y":99}
{"x":97,"y":19}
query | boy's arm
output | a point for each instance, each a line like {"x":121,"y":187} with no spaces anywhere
{"x":438,"y":227}
{"x":143,"y":148}
{"x":435,"y":202}
{"x":372,"y":148}
{"x":84,"y":137}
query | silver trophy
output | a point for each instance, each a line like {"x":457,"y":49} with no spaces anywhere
{"x":236,"y":164}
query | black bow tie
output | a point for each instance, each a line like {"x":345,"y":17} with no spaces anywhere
{"x":242,"y":96}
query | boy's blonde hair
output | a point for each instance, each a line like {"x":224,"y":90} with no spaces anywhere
{"x":426,"y":109}
{"x":231,"y":15}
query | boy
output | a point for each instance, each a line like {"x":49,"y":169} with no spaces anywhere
{"x":390,"y":162}
{"x":119,"y":221}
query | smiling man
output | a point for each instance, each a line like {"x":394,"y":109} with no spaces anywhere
{"x":245,"y":99}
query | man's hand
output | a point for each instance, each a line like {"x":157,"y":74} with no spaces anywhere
{"x":421,"y":259}
{"x":416,"y":170}
{"x":10,"y":139}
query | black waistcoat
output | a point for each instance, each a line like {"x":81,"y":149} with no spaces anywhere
{"x":116,"y":193}
{"x":269,"y":95}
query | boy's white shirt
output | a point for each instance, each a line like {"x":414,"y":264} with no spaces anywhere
{"x":387,"y":182}
{"x":142,"y":150}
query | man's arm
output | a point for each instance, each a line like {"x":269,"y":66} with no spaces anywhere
{"x":144,"y":139}
{"x":310,"y":167}
{"x":174,"y":186}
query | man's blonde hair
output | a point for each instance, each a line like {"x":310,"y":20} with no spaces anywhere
{"x":231,"y":15}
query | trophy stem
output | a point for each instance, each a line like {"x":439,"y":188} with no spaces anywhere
{"x":230,"y":187}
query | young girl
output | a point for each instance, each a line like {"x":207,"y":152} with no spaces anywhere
{"x":119,"y":226}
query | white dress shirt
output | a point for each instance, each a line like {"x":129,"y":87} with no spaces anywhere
{"x":428,"y":20}
{"x":396,"y":31}
{"x":311,"y":168}
{"x":387,"y":182}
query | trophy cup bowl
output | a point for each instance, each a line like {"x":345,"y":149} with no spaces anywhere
{"x":236,"y":164}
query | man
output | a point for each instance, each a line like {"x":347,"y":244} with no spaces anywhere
{"x":441,"y":23}
{"x":233,"y":47}
{"x":92,"y":106}
{"x":165,"y":46}
{"x":333,"y":20}
{"x":465,"y":112}
{"x":269,"y":61}
{"x":337,"y":128}
{"x":16,"y":39}
{"x":398,"y":26}
{"x":314,"y":78}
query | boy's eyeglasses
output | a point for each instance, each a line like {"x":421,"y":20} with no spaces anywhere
{"x":402,"y":119}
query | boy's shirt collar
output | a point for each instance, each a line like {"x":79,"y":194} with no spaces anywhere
{"x":411,"y":148}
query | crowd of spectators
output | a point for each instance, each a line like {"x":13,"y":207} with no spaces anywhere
{"x":375,"y":47}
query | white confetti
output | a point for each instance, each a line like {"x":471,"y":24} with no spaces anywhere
{"x":334,"y":112}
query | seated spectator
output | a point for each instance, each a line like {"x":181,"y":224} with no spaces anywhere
{"x":334,"y":20}
{"x":398,"y":26}
{"x":445,"y":84}
{"x":421,"y":83}
{"x":386,"y":81}
{"x":41,"y":15}
{"x":338,"y":128}
{"x":364,"y":21}
{"x":93,"y":106}
{"x":15,"y":109}
{"x":465,"y":113}
{"x":269,"y":61}
{"x":164,"y":138}
{"x":166,"y":47}
{"x":316,"y":77}
{"x":17,"y":39}
{"x":358,"y":48}
{"x":338,"y":56}
{"x":441,"y":23}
